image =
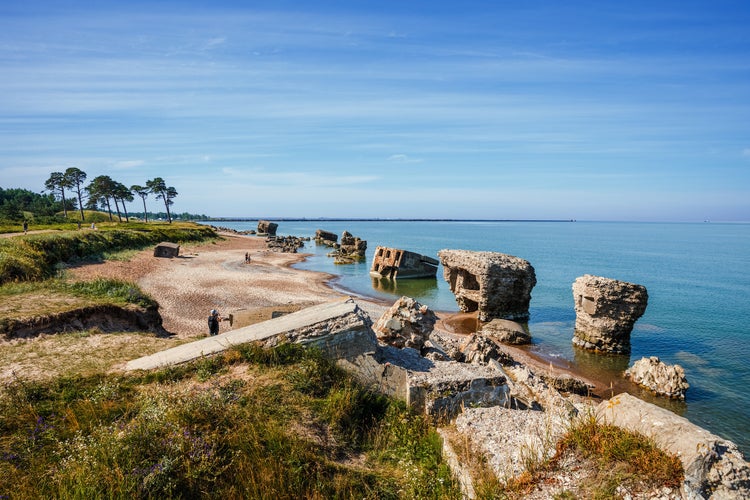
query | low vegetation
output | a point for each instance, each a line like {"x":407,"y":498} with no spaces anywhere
{"x":38,"y":256}
{"x":283,"y":423}
{"x":610,"y":463}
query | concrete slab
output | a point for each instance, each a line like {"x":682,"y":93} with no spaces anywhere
{"x":340,"y":328}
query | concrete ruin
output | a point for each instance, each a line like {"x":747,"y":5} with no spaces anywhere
{"x":496,"y":285}
{"x":501,"y":408}
{"x":267,"y":228}
{"x":606,"y":310}
{"x":395,"y":263}
{"x":351,"y":249}
{"x":340,"y":329}
{"x":714,"y":467}
{"x":326,"y":238}
{"x":439,"y":389}
{"x":167,"y":250}
{"x":658,"y":377}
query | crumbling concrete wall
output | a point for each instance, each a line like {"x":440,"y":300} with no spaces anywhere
{"x":496,"y":285}
{"x":394,"y":263}
{"x":606,"y":310}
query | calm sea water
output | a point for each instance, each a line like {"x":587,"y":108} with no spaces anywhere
{"x":697,"y":276}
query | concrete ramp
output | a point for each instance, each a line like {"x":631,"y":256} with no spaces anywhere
{"x":341,"y":329}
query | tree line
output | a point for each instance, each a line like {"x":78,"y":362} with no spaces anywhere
{"x":102,"y":191}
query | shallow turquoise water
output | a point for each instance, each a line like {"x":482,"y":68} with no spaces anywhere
{"x":697,"y":276}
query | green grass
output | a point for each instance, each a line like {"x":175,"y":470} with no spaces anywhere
{"x":38,"y":256}
{"x":248,"y":424}
{"x":622,"y":457}
{"x":612,"y":457}
{"x":40,"y":298}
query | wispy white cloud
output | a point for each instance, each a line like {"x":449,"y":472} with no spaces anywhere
{"x":128,"y":164}
{"x":401,"y":158}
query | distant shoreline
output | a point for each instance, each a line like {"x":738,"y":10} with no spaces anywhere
{"x":354,"y":219}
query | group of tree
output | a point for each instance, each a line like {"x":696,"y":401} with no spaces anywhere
{"x":15,"y":201}
{"x":103,"y":191}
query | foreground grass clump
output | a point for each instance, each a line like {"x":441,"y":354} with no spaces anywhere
{"x":284,"y":423}
{"x":609,"y":460}
{"x":622,"y":457}
{"x":36,"y":256}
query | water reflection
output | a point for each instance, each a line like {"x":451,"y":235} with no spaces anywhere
{"x":603,"y":364}
{"x":421,"y":288}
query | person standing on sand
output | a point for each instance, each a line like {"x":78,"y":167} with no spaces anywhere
{"x":213,"y":323}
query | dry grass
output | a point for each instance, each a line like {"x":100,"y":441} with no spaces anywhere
{"x":75,"y":354}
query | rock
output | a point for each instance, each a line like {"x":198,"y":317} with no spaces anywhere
{"x":606,"y":310}
{"x":658,"y":377}
{"x":284,"y":244}
{"x":450,"y":344}
{"x":479,"y":349}
{"x":507,"y":332}
{"x":406,"y":324}
{"x":350,"y":250}
{"x":714,"y":467}
{"x":494,"y":284}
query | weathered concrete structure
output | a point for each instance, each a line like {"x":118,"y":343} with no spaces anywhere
{"x":326,"y":238}
{"x":714,"y":467}
{"x":167,"y":249}
{"x":351,"y":249}
{"x":340,"y":329}
{"x":658,"y":377}
{"x":606,"y":310}
{"x":438,"y":388}
{"x":406,"y":324}
{"x":267,"y":228}
{"x":394,"y":263}
{"x":496,"y":285}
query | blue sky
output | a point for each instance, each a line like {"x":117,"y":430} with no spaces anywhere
{"x":477,"y":109}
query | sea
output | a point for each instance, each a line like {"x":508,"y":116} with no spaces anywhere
{"x":697,"y":276}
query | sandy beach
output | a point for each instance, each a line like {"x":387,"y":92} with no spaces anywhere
{"x":215,"y":276}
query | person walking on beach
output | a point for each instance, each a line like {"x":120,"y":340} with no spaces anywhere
{"x":213,"y":323}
